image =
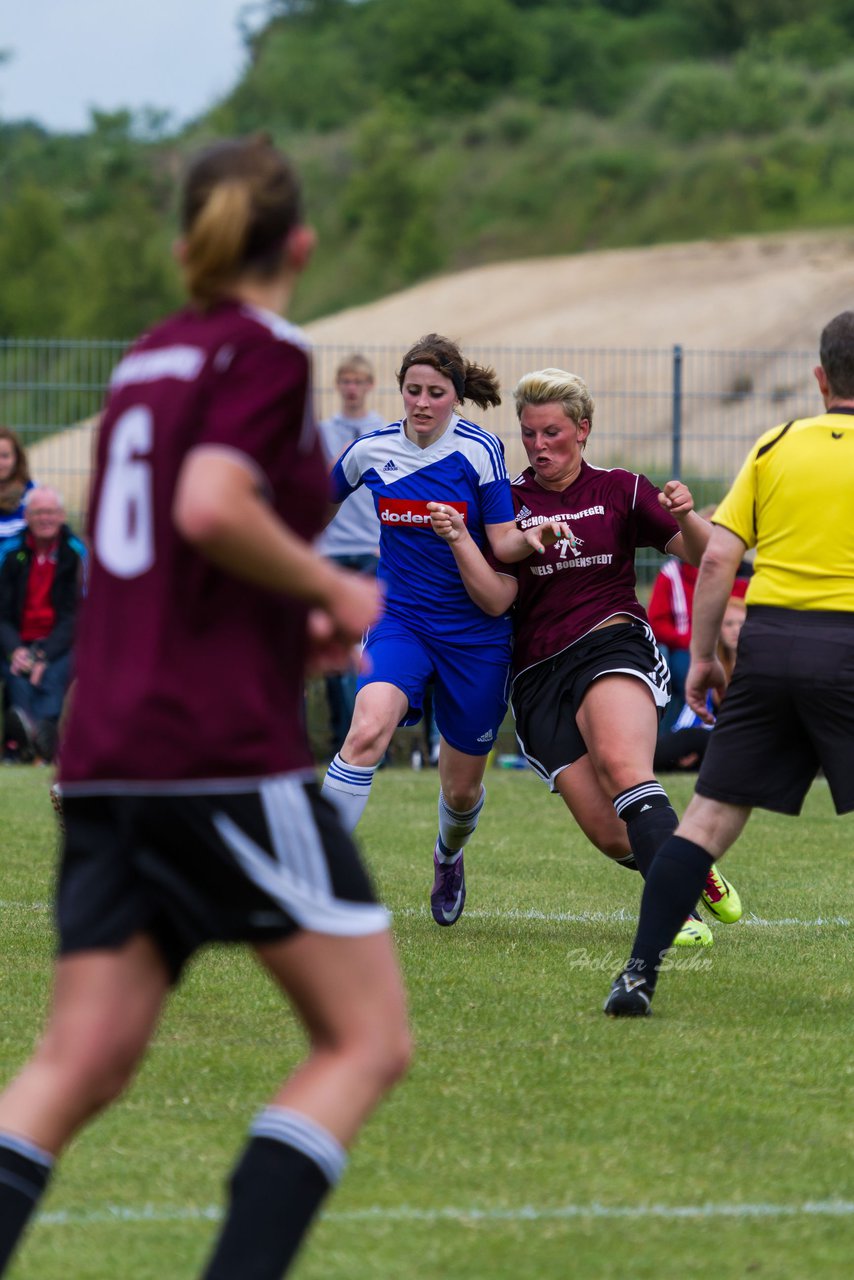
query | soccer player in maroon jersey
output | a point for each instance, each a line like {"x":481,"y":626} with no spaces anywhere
{"x":589,"y":682}
{"x":191,"y":810}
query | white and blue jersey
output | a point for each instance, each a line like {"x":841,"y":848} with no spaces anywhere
{"x":14,"y":520}
{"x":464,"y":469}
{"x":432,"y":632}
{"x":688,"y":719}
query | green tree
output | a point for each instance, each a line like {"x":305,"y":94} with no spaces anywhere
{"x":36,"y":265}
{"x":727,"y":25}
{"x":451,"y":55}
{"x":302,"y":78}
{"x":388,"y":200}
{"x":130,"y":276}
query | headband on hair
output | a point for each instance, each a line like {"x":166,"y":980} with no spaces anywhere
{"x":458,"y":379}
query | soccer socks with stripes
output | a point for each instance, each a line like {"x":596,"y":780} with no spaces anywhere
{"x":24,"y":1173}
{"x":348,"y":787}
{"x":650,"y":819}
{"x":673,"y":885}
{"x":288,"y":1166}
{"x":456,"y":828}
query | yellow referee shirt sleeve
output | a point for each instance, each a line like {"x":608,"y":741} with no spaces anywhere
{"x":737,"y":511}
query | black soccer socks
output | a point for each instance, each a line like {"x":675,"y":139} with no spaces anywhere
{"x":287,"y":1168}
{"x":650,"y":819}
{"x":24,"y":1173}
{"x":673,"y":885}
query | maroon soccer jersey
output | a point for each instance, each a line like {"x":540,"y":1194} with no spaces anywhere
{"x":564,"y":593}
{"x":183,"y":670}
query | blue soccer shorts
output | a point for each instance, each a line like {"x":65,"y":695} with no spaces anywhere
{"x":470,"y":682}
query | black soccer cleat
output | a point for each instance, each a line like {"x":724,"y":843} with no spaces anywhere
{"x":630,"y":997}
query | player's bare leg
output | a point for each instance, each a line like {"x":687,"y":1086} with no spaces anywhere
{"x":623,"y":764}
{"x":378,"y":710}
{"x":104,"y":1009}
{"x":349,"y":995}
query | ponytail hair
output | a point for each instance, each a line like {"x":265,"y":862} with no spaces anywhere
{"x":241,"y":198}
{"x":474,"y":382}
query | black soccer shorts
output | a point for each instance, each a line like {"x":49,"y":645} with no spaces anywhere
{"x":228,"y":861}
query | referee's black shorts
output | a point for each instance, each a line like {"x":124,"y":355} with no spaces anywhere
{"x":788,"y":712}
{"x":232,"y":861}
{"x":545,"y":698}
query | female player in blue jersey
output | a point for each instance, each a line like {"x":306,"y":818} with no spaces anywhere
{"x":432,"y":631}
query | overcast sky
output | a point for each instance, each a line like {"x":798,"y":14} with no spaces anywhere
{"x":70,"y":55}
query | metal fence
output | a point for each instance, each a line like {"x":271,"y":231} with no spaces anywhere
{"x":668,"y":411}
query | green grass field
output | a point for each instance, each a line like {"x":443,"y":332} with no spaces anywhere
{"x":533,"y":1138}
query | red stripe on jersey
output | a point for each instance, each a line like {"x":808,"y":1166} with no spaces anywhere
{"x":396,"y":512}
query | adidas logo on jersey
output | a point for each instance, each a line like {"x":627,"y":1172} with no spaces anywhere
{"x":486,"y":737}
{"x":523,"y":513}
{"x":390,"y":465}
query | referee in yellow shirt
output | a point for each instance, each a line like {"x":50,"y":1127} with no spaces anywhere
{"x":789,"y":710}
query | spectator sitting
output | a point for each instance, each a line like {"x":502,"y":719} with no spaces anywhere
{"x":41,"y":578}
{"x":351,"y":540}
{"x":15,"y":483}
{"x":671,"y":604}
{"x":682,"y":747}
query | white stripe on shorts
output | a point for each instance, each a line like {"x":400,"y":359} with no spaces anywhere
{"x":296,"y":839}
{"x":303,"y":890}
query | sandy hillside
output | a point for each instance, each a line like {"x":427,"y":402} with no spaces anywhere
{"x":755,"y":292}
{"x":756,"y":296}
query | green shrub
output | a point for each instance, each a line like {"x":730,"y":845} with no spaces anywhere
{"x":770,"y":94}
{"x":817,"y":41}
{"x":580,"y":60}
{"x":832,"y":94}
{"x":514,"y":122}
{"x":689,"y":101}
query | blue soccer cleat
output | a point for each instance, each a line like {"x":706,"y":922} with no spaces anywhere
{"x":448,"y":895}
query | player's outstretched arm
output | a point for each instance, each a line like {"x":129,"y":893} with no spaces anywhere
{"x":220,"y":510}
{"x":511,"y":544}
{"x":694,"y":532}
{"x":717,"y":573}
{"x":493,"y":592}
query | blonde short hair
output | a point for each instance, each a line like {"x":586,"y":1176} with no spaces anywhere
{"x":551,"y":386}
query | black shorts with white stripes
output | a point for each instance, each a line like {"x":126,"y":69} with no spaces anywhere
{"x":546,"y":698}
{"x":231,"y":861}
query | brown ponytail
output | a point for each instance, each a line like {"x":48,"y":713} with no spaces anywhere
{"x":241,"y":198}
